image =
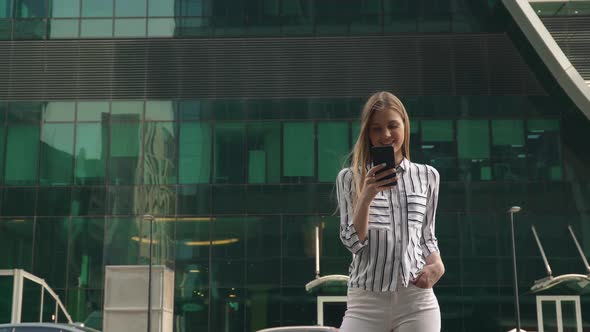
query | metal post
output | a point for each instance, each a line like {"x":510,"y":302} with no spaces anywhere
{"x":149,"y":299}
{"x":512,"y":211}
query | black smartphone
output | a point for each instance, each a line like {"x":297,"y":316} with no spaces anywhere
{"x":384,"y":155}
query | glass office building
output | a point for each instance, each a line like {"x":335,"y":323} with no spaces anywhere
{"x":228,"y":121}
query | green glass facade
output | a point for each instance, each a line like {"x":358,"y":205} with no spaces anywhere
{"x":238,"y":185}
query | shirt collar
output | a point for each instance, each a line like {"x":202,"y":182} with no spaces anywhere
{"x":403,"y":165}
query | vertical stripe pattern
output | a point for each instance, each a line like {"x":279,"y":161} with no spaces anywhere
{"x":401,"y":232}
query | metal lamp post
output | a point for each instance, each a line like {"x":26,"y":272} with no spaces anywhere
{"x":150,"y":218}
{"x":512,"y":211}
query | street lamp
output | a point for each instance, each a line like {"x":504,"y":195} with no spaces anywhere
{"x":150,"y":218}
{"x":512,"y":211}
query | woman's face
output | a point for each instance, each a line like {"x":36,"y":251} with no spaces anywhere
{"x":386,"y":128}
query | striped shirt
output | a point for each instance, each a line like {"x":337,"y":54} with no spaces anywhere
{"x":400,"y":232}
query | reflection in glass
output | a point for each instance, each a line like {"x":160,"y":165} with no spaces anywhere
{"x":30,"y":9}
{"x":127,"y":111}
{"x":16,"y":242}
{"x":473,"y":137}
{"x":543,"y":145}
{"x":88,"y":201}
{"x":92,"y":110}
{"x":130,"y":27}
{"x":6,"y":8}
{"x":131,"y":8}
{"x":125,"y":152}
{"x":298,"y":149}
{"x":91,"y":153}
{"x":508,"y":150}
{"x":438,"y":147}
{"x":332,"y":149}
{"x":57,"y":148}
{"x":22,"y":152}
{"x":264,"y":152}
{"x":30,"y":29}
{"x":51,"y":250}
{"x":161,"y":27}
{"x":124,"y":241}
{"x":53,"y":201}
{"x":229,"y":153}
{"x":60,"y":28}
{"x":159,"y":164}
{"x":166,"y":8}
{"x":97,"y":28}
{"x":160,"y":110}
{"x":65,"y":8}
{"x":97,"y":8}
{"x":194,"y":153}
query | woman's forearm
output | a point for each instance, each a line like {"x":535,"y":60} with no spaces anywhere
{"x":435,"y":260}
{"x":361,"y":218}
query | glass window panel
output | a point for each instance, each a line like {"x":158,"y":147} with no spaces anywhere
{"x":2,"y":140}
{"x":88,"y":201}
{"x":124,"y":241}
{"x":22,"y":153}
{"x":160,"y":164}
{"x":229,"y":199}
{"x":194,"y":200}
{"x":263,"y":250}
{"x":92,"y":110}
{"x":29,"y":29}
{"x":544,"y":148}
{"x":298,"y":149}
{"x":22,"y":112}
{"x":54,"y":201}
{"x":6,"y":8}
{"x":264,"y":152}
{"x":124,"y":200}
{"x":30,"y":9}
{"x":51,"y":250}
{"x":192,"y":257}
{"x":97,"y":28}
{"x":5,"y":29}
{"x":508,"y":150}
{"x":65,"y":8}
{"x":195,"y":110}
{"x":18,"y":201}
{"x":159,"y":200}
{"x":356,"y":131}
{"x":228,"y":269}
{"x":298,"y":248}
{"x":195,"y":8}
{"x":194,"y":153}
{"x":130,"y":27}
{"x":229,"y":159}
{"x":161,"y":27}
{"x":125,"y":152}
{"x":332,"y":149}
{"x":160,"y":110}
{"x":97,"y":8}
{"x":195,"y":27}
{"x":91,"y":153}
{"x":63,"y":29}
{"x":438,"y":147}
{"x":473,"y":137}
{"x":85,"y":253}
{"x":57,"y":148}
{"x":127,"y":111}
{"x":165,"y":8}
{"x":131,"y":8}
{"x":16,"y":243}
{"x":31,"y":301}
{"x":6,"y":287}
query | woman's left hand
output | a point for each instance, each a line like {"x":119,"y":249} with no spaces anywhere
{"x":429,"y":275}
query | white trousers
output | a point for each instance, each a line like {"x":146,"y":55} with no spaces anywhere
{"x":410,"y":309}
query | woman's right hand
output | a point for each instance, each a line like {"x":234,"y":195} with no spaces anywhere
{"x":374,"y":183}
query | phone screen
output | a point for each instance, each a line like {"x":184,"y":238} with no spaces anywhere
{"x":384,"y":155}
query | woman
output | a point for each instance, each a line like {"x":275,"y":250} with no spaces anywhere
{"x":388,"y":225}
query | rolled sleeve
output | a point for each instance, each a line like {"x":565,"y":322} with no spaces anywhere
{"x":348,"y":234}
{"x":429,"y":243}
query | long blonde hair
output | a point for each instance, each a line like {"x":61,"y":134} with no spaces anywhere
{"x":379,"y":101}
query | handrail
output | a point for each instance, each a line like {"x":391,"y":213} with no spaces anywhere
{"x":19,"y":275}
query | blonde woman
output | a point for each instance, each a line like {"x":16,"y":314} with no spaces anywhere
{"x":388,"y":225}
